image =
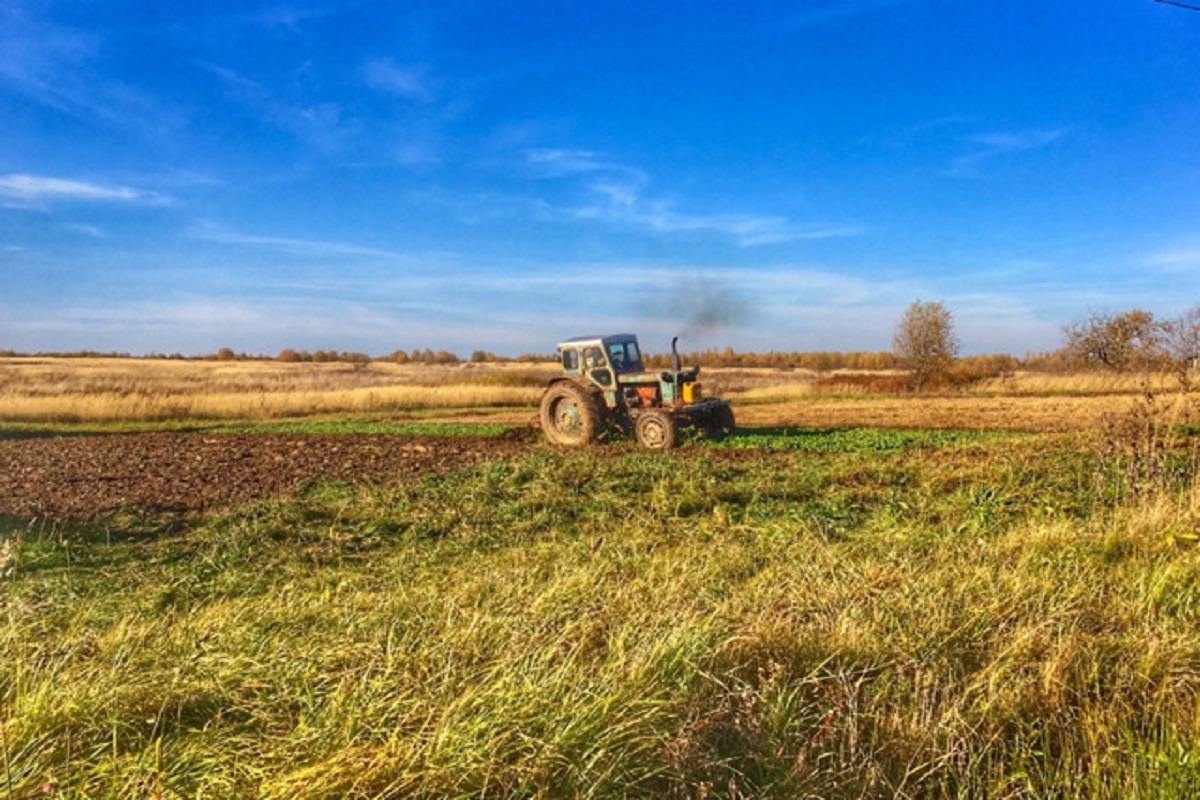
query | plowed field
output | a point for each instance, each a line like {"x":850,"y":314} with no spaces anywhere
{"x":78,"y":477}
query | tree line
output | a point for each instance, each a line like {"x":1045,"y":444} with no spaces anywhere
{"x":924,"y":345}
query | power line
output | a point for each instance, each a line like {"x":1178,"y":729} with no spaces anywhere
{"x":1178,"y":5}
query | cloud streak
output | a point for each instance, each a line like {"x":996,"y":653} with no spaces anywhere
{"x":40,"y":188}
{"x":991,"y":146}
{"x":622,"y":202}
{"x":618,"y":196}
{"x":409,"y":82}
{"x":302,"y":247}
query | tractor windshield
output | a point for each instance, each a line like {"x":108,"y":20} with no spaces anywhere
{"x":625,"y":357}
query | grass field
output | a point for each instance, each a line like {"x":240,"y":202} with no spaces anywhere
{"x":172,"y":392}
{"x":800,"y":611}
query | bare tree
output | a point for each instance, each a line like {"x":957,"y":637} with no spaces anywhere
{"x":924,"y":342}
{"x":1122,"y":342}
{"x":1181,"y":342}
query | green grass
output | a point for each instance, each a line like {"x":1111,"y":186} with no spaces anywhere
{"x":853,"y":440}
{"x":409,"y":425}
{"x":873,"y":617}
{"x":484,"y":429}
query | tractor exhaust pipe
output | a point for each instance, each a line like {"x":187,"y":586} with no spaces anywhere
{"x":676,"y":363}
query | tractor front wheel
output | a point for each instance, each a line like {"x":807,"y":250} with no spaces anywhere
{"x":569,"y":415}
{"x":656,"y":430}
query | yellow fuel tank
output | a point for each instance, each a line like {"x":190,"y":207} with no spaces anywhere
{"x":691,"y":392}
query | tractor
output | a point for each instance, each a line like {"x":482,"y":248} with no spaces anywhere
{"x":606,"y":390}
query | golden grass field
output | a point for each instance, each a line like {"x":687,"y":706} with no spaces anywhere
{"x":83,"y":390}
{"x":847,"y":612}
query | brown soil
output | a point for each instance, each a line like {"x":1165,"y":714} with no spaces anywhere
{"x":79,"y":477}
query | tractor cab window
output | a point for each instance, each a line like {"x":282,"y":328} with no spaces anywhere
{"x":570,"y":360}
{"x":593,"y":358}
{"x":625,"y":357}
{"x":633,"y":358}
{"x":596,"y":367}
{"x":616,"y":354}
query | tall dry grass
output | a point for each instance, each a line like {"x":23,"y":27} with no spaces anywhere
{"x":114,"y":389}
{"x":1009,"y":413}
{"x":81,"y":390}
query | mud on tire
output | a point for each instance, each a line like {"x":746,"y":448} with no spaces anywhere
{"x":569,"y":415}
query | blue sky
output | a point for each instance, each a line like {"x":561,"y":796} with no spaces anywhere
{"x":372,"y":176}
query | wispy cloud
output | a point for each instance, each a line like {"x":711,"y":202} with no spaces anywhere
{"x":990,"y":146}
{"x":303,"y":247}
{"x":619,"y":195}
{"x":622,"y":202}
{"x":317,"y":123}
{"x":548,"y":162}
{"x":85,"y":230}
{"x":42,"y":189}
{"x":288,"y":17}
{"x":59,"y":67}
{"x":37,"y":59}
{"x":412,"y":83}
{"x":1176,"y":260}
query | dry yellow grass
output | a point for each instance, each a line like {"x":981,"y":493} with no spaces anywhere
{"x":1015,"y":413}
{"x":114,"y":389}
{"x":781,"y":386}
{"x":1095,"y":382}
{"x":146,"y":389}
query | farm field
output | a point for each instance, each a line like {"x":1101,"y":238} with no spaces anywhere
{"x":856,"y":596}
{"x":171,"y":393}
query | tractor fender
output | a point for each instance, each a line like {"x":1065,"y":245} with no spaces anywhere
{"x":586,"y":385}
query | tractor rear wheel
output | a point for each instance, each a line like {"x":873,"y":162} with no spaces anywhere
{"x":722,"y":424}
{"x":569,"y":415}
{"x":656,"y":430}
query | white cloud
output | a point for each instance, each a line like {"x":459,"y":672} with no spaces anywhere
{"x":621,"y":202}
{"x":306,"y":247}
{"x":1174,"y":260}
{"x":410,"y":82}
{"x":41,"y":188}
{"x":549,"y":162}
{"x":85,"y":229}
{"x":318,"y":124}
{"x":620,"y":197}
{"x":989,"y":146}
{"x":287,"y":17}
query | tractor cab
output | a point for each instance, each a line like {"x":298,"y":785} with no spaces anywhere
{"x":601,"y":360}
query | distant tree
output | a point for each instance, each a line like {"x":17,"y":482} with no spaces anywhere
{"x":924,"y":342}
{"x":226,"y":354}
{"x":1121,"y":342}
{"x":357,"y":359}
{"x":1181,"y":343}
{"x":288,"y":355}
